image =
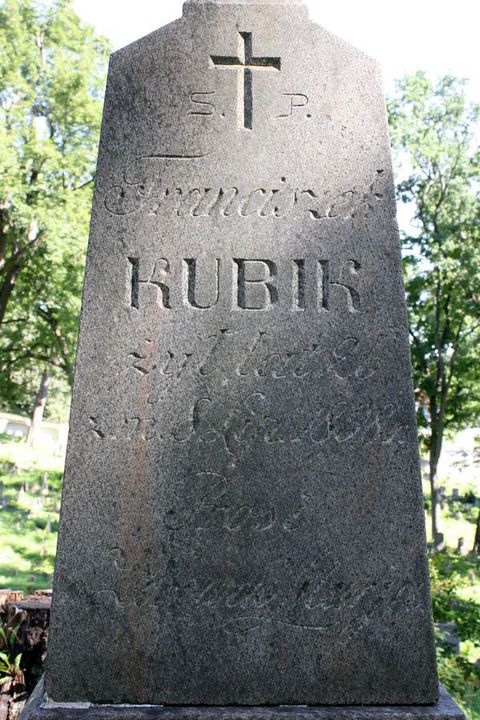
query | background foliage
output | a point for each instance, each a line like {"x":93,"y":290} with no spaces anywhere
{"x":52,"y":74}
{"x":435,"y":134}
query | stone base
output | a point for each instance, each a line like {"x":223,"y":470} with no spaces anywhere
{"x":40,"y":708}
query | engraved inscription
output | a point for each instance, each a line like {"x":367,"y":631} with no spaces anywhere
{"x":299,"y":284}
{"x":143,"y":187}
{"x":157,"y":278}
{"x":201,"y":501}
{"x":231,"y":354}
{"x":202,"y":101}
{"x":190,"y":285}
{"x":134,"y":282}
{"x":254,"y":284}
{"x":253,"y":276}
{"x":252,"y":422}
{"x":236,"y":424}
{"x":244,"y":63}
{"x":326,"y":284}
{"x":358,"y":606}
{"x":295,"y":101}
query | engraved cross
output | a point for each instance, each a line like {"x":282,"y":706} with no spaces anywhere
{"x":246,"y":63}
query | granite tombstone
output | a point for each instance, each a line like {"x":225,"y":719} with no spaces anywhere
{"x":242,"y":519}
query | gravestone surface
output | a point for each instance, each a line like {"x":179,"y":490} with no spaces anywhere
{"x":242,"y":519}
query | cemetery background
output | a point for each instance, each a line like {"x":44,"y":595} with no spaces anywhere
{"x":38,"y":334}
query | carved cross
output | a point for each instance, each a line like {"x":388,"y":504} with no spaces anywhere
{"x":245,"y":62}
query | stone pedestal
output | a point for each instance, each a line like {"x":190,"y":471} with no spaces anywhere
{"x":40,"y":708}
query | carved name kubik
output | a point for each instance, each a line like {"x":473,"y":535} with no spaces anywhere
{"x":242,"y":521}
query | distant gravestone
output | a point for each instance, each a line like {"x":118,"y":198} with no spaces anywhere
{"x":45,"y":484}
{"x":441,"y":496}
{"x":242,"y":519}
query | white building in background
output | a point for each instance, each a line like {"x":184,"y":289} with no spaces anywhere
{"x":51,"y":437}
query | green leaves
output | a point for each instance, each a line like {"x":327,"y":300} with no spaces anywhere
{"x":434,"y":134}
{"x":10,"y":658}
{"x":52,"y":74}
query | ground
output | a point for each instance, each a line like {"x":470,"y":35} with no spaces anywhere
{"x":30,"y":494}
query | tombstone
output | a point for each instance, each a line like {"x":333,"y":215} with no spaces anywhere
{"x":2,"y":488}
{"x":449,"y":636}
{"x":441,"y":496}
{"x":37,"y":505}
{"x":455,"y":494}
{"x":45,"y":484}
{"x":242,"y":520}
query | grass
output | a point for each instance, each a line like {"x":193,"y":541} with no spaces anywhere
{"x":456,"y":599}
{"x":30,"y":505}
{"x":28,"y":532}
{"x":458,"y":517}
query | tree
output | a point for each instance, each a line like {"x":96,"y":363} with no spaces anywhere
{"x":434,"y":132}
{"x":52,"y":74}
{"x":476,"y":541}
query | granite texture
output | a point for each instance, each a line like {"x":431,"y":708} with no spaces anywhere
{"x":40,"y":708}
{"x":245,"y":2}
{"x":242,"y":520}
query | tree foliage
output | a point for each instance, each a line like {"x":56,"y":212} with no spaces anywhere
{"x":52,"y":73}
{"x":435,"y":134}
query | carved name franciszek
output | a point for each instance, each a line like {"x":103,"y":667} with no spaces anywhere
{"x":143,"y":188}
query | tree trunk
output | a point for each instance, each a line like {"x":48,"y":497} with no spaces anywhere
{"x":6,"y":289}
{"x":476,"y":542}
{"x":18,"y":259}
{"x":436,"y":429}
{"x":435,"y":512}
{"x":39,"y":407}
{"x":52,"y":321}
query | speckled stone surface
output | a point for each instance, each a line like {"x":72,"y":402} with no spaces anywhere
{"x":242,"y":520}
{"x":40,"y":707}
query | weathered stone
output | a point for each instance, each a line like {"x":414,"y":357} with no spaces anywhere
{"x":41,"y":708}
{"x":242,"y":520}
